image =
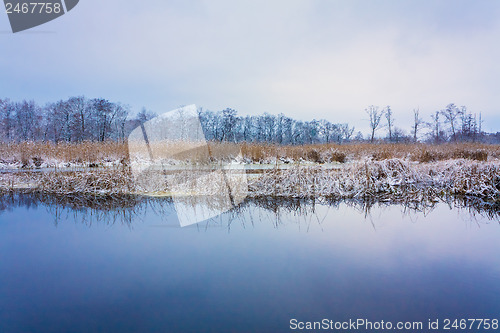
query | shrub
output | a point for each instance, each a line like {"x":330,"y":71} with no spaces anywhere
{"x":314,"y":156}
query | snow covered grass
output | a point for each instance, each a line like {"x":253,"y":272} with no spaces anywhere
{"x":388,"y":180}
{"x":392,"y":180}
{"x":93,"y":181}
{"x":106,"y":154}
{"x":51,"y":155}
{"x":391,"y":172}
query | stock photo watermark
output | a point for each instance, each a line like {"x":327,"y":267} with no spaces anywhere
{"x":170,"y":156}
{"x":24,"y":15}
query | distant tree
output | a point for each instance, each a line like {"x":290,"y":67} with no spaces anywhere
{"x":78,"y":119}
{"x":146,"y":115}
{"x":118,"y":122}
{"x":7,"y":111}
{"x":26,"y":116}
{"x":79,"y":112}
{"x":247,"y":129}
{"x":314,"y":131}
{"x":298,"y":133}
{"x":390,"y":122}
{"x":287,"y":130}
{"x":417,"y":124}
{"x":375,"y":115}
{"x":346,"y":131}
{"x":228,"y":124}
{"x":480,"y":124}
{"x":399,"y":135}
{"x":451,"y":114}
{"x":56,"y":124}
{"x":269,"y":123}
{"x":437,"y":134}
{"x":103,"y":117}
{"x":359,"y":137}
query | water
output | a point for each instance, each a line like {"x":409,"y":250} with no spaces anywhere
{"x":65,"y":267}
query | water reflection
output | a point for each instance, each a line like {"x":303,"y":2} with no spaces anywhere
{"x":125,"y":264}
{"x":131,"y":209}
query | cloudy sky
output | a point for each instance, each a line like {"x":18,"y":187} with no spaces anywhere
{"x":305,"y":58}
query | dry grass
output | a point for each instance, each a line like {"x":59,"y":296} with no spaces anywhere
{"x":34,"y":154}
{"x":391,"y":180}
{"x":30,"y":154}
{"x":94,"y":181}
{"x":383,"y":171}
{"x":328,"y":153}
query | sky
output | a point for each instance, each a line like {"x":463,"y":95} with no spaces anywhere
{"x":321,"y":59}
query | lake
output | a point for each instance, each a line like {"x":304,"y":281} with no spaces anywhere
{"x":268,"y":266}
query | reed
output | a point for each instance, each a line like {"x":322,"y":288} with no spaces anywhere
{"x":47,"y":154}
{"x":410,"y":172}
{"x":391,"y":180}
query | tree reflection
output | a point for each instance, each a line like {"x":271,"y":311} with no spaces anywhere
{"x":130,"y":209}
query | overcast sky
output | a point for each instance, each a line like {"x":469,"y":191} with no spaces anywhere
{"x":305,"y":58}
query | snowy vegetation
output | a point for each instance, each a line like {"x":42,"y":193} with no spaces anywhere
{"x":80,"y":145}
{"x":395,"y":172}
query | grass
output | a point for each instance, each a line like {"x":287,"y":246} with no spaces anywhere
{"x":38,"y":154}
{"x":391,"y":180}
{"x":383,"y":171}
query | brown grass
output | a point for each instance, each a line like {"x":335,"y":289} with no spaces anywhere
{"x":391,"y":180}
{"x":30,"y":154}
{"x":86,"y":152}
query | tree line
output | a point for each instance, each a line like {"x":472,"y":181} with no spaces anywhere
{"x":96,"y":119}
{"x":226,"y":125}
{"x":451,"y":124}
{"x":72,"y":120}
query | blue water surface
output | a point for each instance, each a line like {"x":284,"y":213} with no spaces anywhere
{"x":253,"y":270}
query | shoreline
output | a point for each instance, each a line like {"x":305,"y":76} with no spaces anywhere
{"x":391,"y":180}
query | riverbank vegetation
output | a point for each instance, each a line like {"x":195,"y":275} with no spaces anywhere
{"x":34,"y":155}
{"x":395,"y":172}
{"x":79,"y":146}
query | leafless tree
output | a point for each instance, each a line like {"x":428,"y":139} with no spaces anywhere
{"x":451,"y":115}
{"x":7,"y":121}
{"x":79,"y":111}
{"x":346,"y":132}
{"x":375,"y":115}
{"x":390,"y":121}
{"x":145,"y":115}
{"x":417,"y":123}
{"x":435,"y":126}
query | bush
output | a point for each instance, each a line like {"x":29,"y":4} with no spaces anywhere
{"x":314,"y":156}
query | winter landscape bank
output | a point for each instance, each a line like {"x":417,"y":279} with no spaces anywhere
{"x":386,"y":172}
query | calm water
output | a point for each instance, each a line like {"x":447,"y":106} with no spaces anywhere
{"x":74,"y":269}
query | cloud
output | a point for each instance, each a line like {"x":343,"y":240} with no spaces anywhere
{"x":306,"y":58}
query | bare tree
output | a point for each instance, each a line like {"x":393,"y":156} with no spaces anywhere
{"x":375,"y":116}
{"x":480,"y":124}
{"x":145,"y":115}
{"x":228,"y":124}
{"x":26,"y":120}
{"x":346,"y":131}
{"x":56,"y":125}
{"x":7,"y":111}
{"x":390,"y":121}
{"x":435,"y":126}
{"x":103,"y":117}
{"x":417,"y":123}
{"x":399,"y":135}
{"x":120,"y":114}
{"x":451,"y":115}
{"x":78,"y":108}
